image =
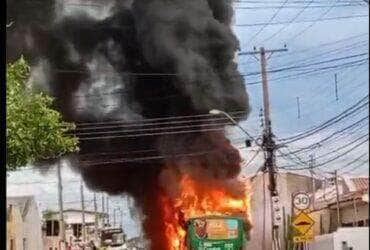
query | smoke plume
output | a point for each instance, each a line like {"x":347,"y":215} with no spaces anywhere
{"x":138,"y":60}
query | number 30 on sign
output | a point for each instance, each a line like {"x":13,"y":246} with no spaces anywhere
{"x":301,"y":201}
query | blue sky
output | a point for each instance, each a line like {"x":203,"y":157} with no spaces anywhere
{"x":316,"y":91}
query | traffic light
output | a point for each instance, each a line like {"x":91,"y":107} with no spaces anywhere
{"x":276,"y":210}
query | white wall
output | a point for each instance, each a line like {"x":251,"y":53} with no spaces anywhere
{"x":348,"y":213}
{"x":32,"y":228}
{"x":356,"y":237}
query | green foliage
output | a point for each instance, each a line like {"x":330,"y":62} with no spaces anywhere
{"x":34,"y":131}
{"x":47,"y":214}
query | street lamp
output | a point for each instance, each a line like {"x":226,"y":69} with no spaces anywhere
{"x":219,"y":112}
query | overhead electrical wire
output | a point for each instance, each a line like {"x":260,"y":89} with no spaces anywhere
{"x":315,"y":21}
{"x":340,"y":155}
{"x":268,"y":23}
{"x":312,"y":21}
{"x":290,"y":21}
{"x":309,"y":147}
{"x":348,"y":111}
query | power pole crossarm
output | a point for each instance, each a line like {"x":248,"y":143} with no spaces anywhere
{"x":266,"y":51}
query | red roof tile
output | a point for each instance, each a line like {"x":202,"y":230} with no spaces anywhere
{"x":361,"y":183}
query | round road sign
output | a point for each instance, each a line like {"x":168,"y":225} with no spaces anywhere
{"x":301,"y":201}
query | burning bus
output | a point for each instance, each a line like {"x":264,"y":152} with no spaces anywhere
{"x":216,"y":232}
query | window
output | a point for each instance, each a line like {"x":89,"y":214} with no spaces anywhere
{"x":52,"y":228}
{"x":77,"y":230}
{"x":24,"y":244}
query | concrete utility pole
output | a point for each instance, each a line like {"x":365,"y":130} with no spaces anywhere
{"x":62,"y":233}
{"x":107,"y":203}
{"x":337,"y":191}
{"x":114,"y":217}
{"x":103,"y":209}
{"x":96,"y":219}
{"x":311,"y":165}
{"x":269,"y":146}
{"x":83,"y":214}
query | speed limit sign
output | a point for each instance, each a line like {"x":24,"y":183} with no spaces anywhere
{"x":301,"y":201}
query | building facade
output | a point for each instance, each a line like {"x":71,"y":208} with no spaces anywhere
{"x":23,"y":224}
{"x":73,"y":228}
{"x":287,"y":185}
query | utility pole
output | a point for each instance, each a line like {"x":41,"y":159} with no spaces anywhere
{"x":114,"y":217}
{"x":96,"y":219}
{"x":83,"y":214}
{"x":107,"y":203}
{"x":269,"y":147}
{"x":62,"y":233}
{"x":298,"y":108}
{"x":103,"y":209}
{"x":311,"y":165}
{"x":337,"y":191}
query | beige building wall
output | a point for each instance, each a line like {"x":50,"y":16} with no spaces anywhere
{"x":287,"y":184}
{"x":14,"y":229}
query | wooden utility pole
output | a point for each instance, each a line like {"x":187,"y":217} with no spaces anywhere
{"x":96,"y":219}
{"x":311,"y":165}
{"x":269,"y":145}
{"x":337,"y":191}
{"x":62,"y":232}
{"x":83,"y":214}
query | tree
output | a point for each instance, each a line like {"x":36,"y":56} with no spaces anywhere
{"x":34,"y":131}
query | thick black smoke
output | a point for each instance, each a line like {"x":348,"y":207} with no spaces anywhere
{"x":146,"y":59}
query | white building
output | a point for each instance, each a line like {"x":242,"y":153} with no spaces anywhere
{"x":23,"y":224}
{"x":73,"y":227}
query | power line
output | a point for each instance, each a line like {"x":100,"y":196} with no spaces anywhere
{"x":291,"y":7}
{"x":290,"y":21}
{"x":148,"y":158}
{"x":268,"y":23}
{"x":309,"y":147}
{"x":292,"y":167}
{"x":315,"y":71}
{"x":315,"y":21}
{"x":163,"y":120}
{"x":312,"y":21}
{"x":350,"y":110}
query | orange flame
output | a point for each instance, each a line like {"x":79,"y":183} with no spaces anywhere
{"x":197,"y":199}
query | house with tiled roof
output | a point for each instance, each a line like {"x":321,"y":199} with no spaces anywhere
{"x":352,"y":207}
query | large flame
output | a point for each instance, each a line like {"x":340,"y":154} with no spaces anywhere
{"x":194,"y":199}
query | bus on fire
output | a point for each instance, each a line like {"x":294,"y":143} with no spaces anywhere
{"x":216,"y":233}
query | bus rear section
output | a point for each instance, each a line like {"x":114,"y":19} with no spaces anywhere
{"x":216,"y":233}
